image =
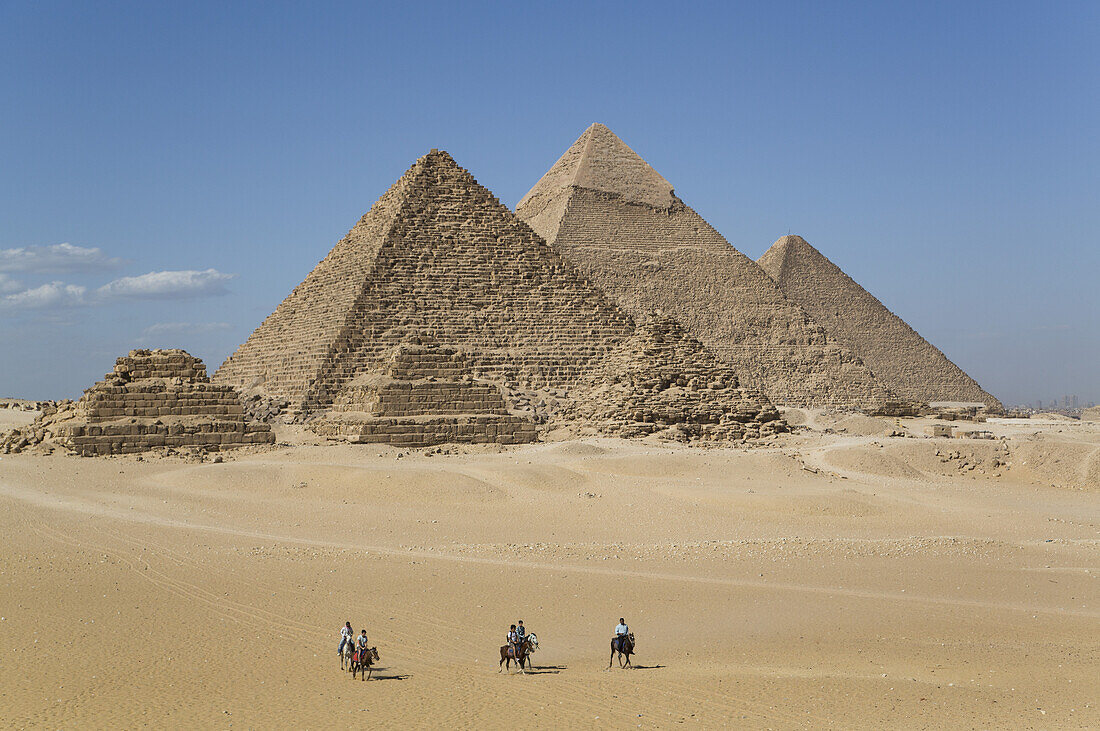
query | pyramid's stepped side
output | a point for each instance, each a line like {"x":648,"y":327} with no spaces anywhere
{"x":906,"y":362}
{"x":288,"y":351}
{"x":614,"y":217}
{"x":158,"y":398}
{"x":451,"y":264}
{"x":424,"y":396}
{"x":450,"y":261}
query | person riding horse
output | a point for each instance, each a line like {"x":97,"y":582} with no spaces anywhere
{"x":361,"y":642}
{"x":512,"y":639}
{"x":521,"y":634}
{"x":621,"y":633}
{"x":345,"y":637}
{"x":622,"y":643}
{"x":519,"y":651}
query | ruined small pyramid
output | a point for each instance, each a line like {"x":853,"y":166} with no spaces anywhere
{"x":424,"y":395}
{"x":910,"y":365}
{"x":438,"y":257}
{"x":612,"y":215}
{"x":153,"y":399}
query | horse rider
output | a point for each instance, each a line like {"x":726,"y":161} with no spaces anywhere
{"x":361,"y":643}
{"x":345,"y":637}
{"x":513,"y":640}
{"x":521,"y":634}
{"x":621,"y":631}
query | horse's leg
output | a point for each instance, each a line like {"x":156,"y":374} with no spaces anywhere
{"x":503,"y":657}
{"x":611,"y":658}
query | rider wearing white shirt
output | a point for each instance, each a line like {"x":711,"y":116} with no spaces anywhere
{"x":621,"y":630}
{"x":361,"y":641}
{"x":345,"y":637}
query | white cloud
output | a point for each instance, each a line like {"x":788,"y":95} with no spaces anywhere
{"x":183,"y":328}
{"x":55,"y":258}
{"x":48,"y":296}
{"x":8,"y":285}
{"x":167,"y":285}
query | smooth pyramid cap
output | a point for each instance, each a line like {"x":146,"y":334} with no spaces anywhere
{"x":599,"y":160}
{"x":786,"y":248}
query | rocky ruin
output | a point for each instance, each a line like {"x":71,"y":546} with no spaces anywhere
{"x":605,"y":210}
{"x":907,"y":363}
{"x":438,"y":256}
{"x":152,"y":399}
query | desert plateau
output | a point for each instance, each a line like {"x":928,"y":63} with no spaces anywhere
{"x":833,"y":577}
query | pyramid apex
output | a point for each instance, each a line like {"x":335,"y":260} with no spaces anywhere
{"x":599,"y":160}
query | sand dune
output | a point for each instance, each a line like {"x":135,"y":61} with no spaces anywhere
{"x":817,"y":580}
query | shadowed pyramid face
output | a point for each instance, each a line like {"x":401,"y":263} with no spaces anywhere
{"x":616,"y":218}
{"x":910,"y":365}
{"x":439,"y":256}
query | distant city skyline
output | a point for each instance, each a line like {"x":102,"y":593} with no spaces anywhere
{"x":172,"y":172}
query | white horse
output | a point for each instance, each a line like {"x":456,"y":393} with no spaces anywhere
{"x":345,"y":656}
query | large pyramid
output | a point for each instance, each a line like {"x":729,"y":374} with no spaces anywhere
{"x":439,"y":258}
{"x":613,"y":216}
{"x":910,"y":365}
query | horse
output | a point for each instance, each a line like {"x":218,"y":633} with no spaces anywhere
{"x":508,"y":653}
{"x":623,"y":646}
{"x":346,"y":655}
{"x":361,"y":661}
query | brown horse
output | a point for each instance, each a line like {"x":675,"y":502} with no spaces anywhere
{"x":509,"y":653}
{"x":623,"y":646}
{"x":361,"y":661}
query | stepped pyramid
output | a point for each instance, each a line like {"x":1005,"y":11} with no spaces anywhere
{"x":614,"y":217}
{"x":154,"y":398}
{"x":425,"y":395}
{"x":910,"y":365}
{"x":439,"y":257}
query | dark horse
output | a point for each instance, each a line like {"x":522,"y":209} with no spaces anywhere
{"x":361,"y":661}
{"x":623,"y":646}
{"x":509,"y":653}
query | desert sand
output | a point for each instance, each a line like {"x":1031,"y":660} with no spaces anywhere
{"x":835,"y":577}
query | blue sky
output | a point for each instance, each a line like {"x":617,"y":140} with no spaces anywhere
{"x":944,"y":155}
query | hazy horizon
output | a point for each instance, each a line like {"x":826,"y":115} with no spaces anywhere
{"x":171,"y":173}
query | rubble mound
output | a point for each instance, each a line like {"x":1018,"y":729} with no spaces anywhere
{"x":425,"y":395}
{"x":152,"y":398}
{"x":663,"y":380}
